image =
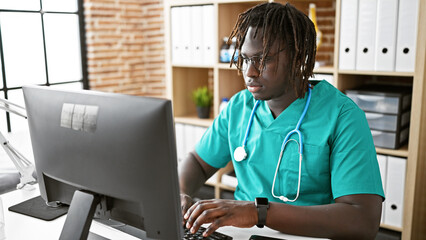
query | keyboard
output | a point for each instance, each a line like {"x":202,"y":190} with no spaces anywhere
{"x":199,"y":235}
{"x":142,"y":235}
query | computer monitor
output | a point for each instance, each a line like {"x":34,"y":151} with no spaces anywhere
{"x":112,"y":152}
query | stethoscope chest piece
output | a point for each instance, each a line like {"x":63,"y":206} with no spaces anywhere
{"x":240,"y":154}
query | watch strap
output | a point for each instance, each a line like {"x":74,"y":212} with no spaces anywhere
{"x":261,"y":215}
{"x":262,"y":210}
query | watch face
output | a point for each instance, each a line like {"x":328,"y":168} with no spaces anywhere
{"x":261,"y":201}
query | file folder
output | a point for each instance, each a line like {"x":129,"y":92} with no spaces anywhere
{"x":382,"y":160}
{"x":395,"y":181}
{"x":176,"y":34}
{"x":187,"y":52}
{"x":190,"y":137}
{"x":197,"y":35}
{"x":210,"y":54}
{"x":367,"y":16}
{"x":199,"y":132}
{"x":407,"y":35}
{"x":180,"y":141}
{"x":387,"y":18}
{"x":348,"y":34}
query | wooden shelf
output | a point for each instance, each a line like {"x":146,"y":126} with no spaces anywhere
{"x":325,"y":69}
{"x":397,"y":229}
{"x":226,"y":66}
{"x":375,"y":73}
{"x":402,"y":152}
{"x":194,"y":120}
{"x":191,"y":66}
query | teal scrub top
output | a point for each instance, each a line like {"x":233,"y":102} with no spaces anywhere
{"x":339,"y":157}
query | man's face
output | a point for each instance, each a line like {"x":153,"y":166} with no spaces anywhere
{"x":273,"y":82}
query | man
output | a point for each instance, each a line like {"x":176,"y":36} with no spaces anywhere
{"x":302,"y":152}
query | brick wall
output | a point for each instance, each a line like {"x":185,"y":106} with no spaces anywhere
{"x":325,"y":11}
{"x":125,"y":46}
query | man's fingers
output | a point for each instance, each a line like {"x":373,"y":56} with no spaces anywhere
{"x":186,"y":203}
{"x":217,"y":223}
{"x":207,"y":216}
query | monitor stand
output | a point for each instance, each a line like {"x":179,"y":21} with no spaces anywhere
{"x":80,"y":215}
{"x":125,"y":228}
{"x":94,"y":236}
{"x":37,"y":207}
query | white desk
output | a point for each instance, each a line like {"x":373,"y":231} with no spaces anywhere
{"x":20,"y":227}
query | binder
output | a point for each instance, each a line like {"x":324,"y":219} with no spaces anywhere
{"x":187,"y":43}
{"x":348,"y":34}
{"x":176,"y":34}
{"x":180,"y":141}
{"x":382,"y":160}
{"x":190,"y":138}
{"x":197,"y":35}
{"x":199,"y":132}
{"x":407,"y":35}
{"x":395,"y":181}
{"x":209,"y":28}
{"x":387,"y":18}
{"x":366,"y":35}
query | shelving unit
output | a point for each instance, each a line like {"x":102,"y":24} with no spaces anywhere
{"x":224,"y":81}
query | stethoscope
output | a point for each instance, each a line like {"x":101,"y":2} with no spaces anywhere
{"x":240,"y":153}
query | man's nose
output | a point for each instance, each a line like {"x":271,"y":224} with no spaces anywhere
{"x":251,"y":70}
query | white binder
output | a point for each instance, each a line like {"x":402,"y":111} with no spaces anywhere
{"x":197,"y":35}
{"x":407,"y":35}
{"x":366,"y":35}
{"x":190,"y":137}
{"x":176,"y":34}
{"x":382,"y":160}
{"x":180,"y":141}
{"x":348,"y":34}
{"x":210,"y":54}
{"x":395,"y":182}
{"x":186,"y":36}
{"x":387,"y":18}
{"x":199,"y":132}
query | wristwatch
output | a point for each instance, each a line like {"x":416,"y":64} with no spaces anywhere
{"x":262,"y":205}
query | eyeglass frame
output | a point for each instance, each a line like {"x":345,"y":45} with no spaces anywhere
{"x":255,"y":62}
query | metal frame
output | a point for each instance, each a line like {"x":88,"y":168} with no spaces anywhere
{"x":83,"y":50}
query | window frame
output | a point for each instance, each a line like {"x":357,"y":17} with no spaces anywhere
{"x":83,"y":52}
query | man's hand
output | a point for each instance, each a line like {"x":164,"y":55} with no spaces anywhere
{"x":186,"y":202}
{"x":220,"y":213}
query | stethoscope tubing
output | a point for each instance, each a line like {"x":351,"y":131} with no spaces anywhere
{"x":253,"y":111}
{"x":282,"y":198}
{"x":296,"y":130}
{"x":284,"y":144}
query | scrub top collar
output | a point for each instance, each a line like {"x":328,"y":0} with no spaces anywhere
{"x":287,"y":118}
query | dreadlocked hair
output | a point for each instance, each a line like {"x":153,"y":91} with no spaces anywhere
{"x":294,"y":31}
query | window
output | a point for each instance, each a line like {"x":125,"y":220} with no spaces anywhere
{"x":41,"y":42}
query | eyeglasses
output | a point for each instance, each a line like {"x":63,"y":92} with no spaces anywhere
{"x":243,"y":62}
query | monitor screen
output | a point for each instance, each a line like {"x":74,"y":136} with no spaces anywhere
{"x":117,"y":148}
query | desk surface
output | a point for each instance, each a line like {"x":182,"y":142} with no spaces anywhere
{"x":19,"y":226}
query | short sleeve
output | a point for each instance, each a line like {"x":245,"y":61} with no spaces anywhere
{"x":213,"y":147}
{"x":354,"y":166}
